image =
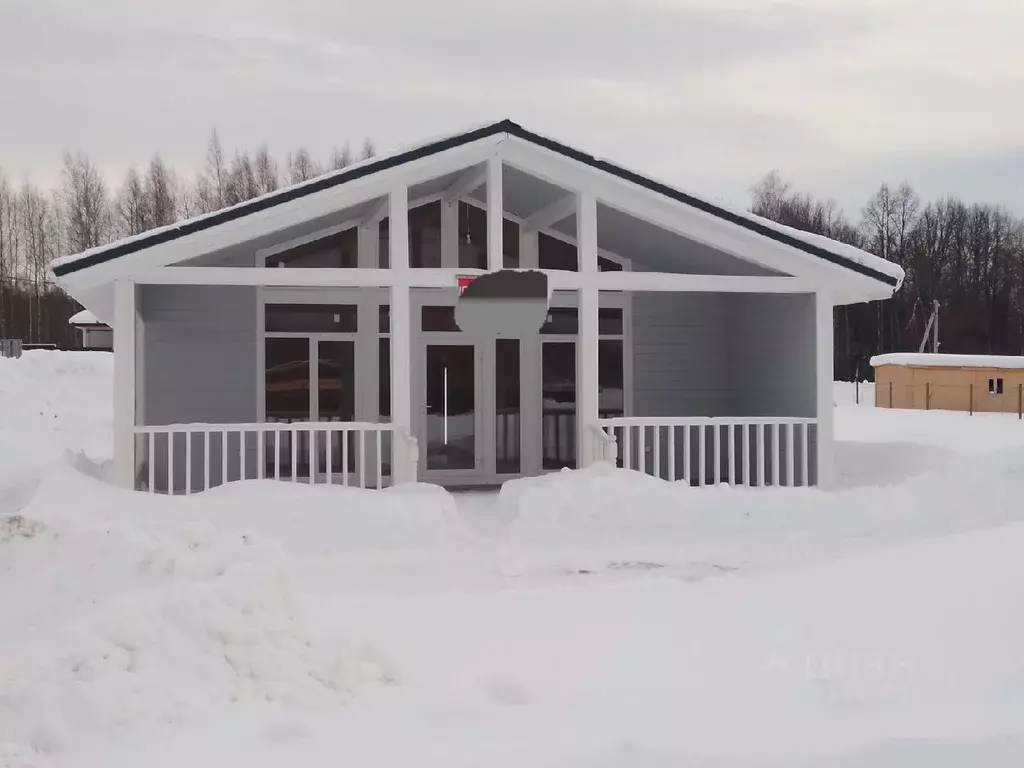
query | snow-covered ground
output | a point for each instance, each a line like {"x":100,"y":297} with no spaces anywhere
{"x":596,"y":618}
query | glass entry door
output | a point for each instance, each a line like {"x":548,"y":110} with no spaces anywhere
{"x":451,"y":415}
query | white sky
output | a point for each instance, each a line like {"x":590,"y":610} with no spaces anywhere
{"x":709,"y":94}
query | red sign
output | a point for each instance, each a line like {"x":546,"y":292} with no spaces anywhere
{"x":463,"y":282}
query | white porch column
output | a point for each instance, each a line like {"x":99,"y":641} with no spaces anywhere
{"x":124,"y":383}
{"x":366,"y":347}
{"x":368,"y":245}
{"x":824,"y":334}
{"x":529,"y":243}
{"x":495,"y":216}
{"x":449,"y":233}
{"x":586,"y":348}
{"x":401,"y":348}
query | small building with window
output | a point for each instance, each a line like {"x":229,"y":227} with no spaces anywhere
{"x":949,"y":382}
{"x":93,"y":334}
{"x":311,"y":335}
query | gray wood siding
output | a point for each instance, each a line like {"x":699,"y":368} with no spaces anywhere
{"x":772,"y":355}
{"x":680,"y":360}
{"x":199,"y":361}
{"x":708,"y":354}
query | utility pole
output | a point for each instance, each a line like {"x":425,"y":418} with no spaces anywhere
{"x":932,"y":329}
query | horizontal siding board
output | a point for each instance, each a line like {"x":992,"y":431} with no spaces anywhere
{"x":679,"y":361}
{"x":200,"y":354}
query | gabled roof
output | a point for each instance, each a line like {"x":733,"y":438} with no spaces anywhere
{"x":828,"y":250}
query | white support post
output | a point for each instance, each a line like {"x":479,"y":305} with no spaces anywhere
{"x":366,"y":346}
{"x":587,"y":346}
{"x":529,"y":249}
{"x":449,"y":233}
{"x":368,"y":245}
{"x":124,"y":382}
{"x":401,"y":344}
{"x":823,"y":365}
{"x":531,"y":399}
{"x":495,"y":216}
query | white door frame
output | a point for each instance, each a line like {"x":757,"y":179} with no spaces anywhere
{"x":478,"y":474}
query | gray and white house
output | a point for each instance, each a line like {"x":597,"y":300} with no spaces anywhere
{"x":310,"y":335}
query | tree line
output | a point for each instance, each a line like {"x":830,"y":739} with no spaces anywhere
{"x":967,"y":257}
{"x":37,"y":224}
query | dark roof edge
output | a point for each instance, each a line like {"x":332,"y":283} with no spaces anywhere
{"x":504,"y":126}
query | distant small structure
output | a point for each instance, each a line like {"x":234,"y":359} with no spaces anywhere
{"x":10,"y":347}
{"x":95,"y":335}
{"x":921,"y":380}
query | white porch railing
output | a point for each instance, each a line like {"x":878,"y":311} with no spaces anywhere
{"x":603,"y":444}
{"x":713,"y":450}
{"x":187,"y":458}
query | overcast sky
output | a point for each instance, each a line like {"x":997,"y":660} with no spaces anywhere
{"x":707,"y":94}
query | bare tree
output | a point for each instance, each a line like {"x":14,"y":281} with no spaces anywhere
{"x":8,"y":222}
{"x":86,"y":204}
{"x":301,"y":167}
{"x":369,"y":150}
{"x":340,"y":158}
{"x":241,"y":182}
{"x":161,"y":199}
{"x":216,"y":174}
{"x":132,"y":205}
{"x":265,"y":168}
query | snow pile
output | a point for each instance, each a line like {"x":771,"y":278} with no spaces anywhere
{"x":596,"y":496}
{"x":609,"y":521}
{"x":331,"y":520}
{"x":133,"y":609}
{"x":54,"y":404}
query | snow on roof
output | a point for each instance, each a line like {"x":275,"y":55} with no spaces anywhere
{"x":926,"y":359}
{"x":85,"y":317}
{"x":840,"y":249}
{"x":816,"y":245}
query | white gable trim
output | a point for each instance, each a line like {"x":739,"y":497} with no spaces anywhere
{"x":685,"y":220}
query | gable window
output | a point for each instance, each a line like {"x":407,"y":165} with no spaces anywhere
{"x":473,"y":239}
{"x":334,"y":251}
{"x":425,"y":236}
{"x":995,"y":386}
{"x":554,"y":253}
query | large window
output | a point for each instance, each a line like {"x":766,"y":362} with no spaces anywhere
{"x":287,"y":379}
{"x":334,"y":251}
{"x":559,"y":337}
{"x":555,"y":253}
{"x":424,"y":237}
{"x":473,"y":239}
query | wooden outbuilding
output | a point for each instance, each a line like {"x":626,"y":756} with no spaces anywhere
{"x":989,"y":383}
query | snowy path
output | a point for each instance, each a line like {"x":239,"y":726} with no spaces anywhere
{"x":587,"y":619}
